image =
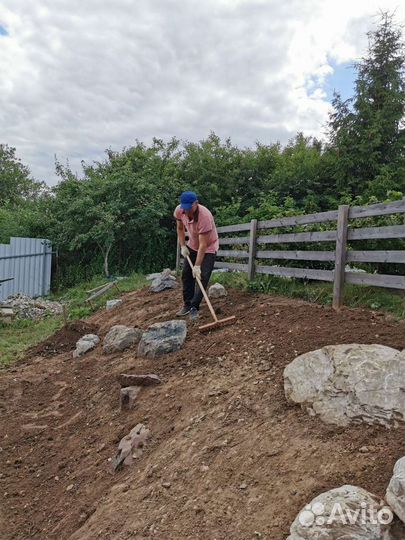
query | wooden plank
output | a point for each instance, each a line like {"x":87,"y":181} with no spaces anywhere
{"x":367,"y":233}
{"x":234,"y":228}
{"x":394,"y":256}
{"x":309,"y":273}
{"x":233,"y":253}
{"x":377,"y":280}
{"x":231,"y":266}
{"x":315,"y":236}
{"x":240,"y":240}
{"x":252,"y":249}
{"x":380,"y":209}
{"x":320,"y":217}
{"x":297,"y":255}
{"x":340,"y":256}
{"x":100,"y":292}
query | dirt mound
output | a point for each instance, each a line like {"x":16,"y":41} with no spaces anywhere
{"x":63,"y":340}
{"x":228,"y":457}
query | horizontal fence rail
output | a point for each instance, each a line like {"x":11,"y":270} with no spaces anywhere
{"x":256,"y":235}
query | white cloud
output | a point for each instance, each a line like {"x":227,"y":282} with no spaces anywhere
{"x":78,"y":77}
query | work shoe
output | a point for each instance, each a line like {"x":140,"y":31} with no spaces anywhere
{"x":185,"y":310}
{"x":194,"y":314}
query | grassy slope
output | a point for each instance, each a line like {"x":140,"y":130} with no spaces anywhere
{"x":18,"y":336}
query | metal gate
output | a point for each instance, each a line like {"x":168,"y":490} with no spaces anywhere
{"x":25,"y":267}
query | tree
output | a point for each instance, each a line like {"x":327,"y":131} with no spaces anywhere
{"x":367,"y":134}
{"x":16,"y":184}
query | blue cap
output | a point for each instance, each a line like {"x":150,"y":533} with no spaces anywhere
{"x":187,"y":198}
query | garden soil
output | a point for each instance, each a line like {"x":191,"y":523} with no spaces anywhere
{"x":228,"y":457}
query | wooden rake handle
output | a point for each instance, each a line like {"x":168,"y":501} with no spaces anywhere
{"x":203,"y":291}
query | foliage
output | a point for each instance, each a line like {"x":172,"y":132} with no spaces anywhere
{"x":117,"y":215}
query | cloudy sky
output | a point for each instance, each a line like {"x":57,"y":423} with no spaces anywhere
{"x":77,"y":77}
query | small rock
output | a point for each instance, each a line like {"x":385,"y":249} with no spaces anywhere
{"x":364,"y":449}
{"x":216,"y":291}
{"x":243,"y":486}
{"x":111,"y":304}
{"x":121,"y":337}
{"x":85,"y":343}
{"x":162,"y":338}
{"x":134,"y":441}
{"x":128,"y":397}
{"x":163,"y":281}
{"x":138,"y":380}
{"x":166,"y":484}
{"x":70,"y":487}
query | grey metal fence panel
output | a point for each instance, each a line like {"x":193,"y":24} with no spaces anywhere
{"x":28,"y":261}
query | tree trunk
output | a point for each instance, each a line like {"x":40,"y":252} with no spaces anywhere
{"x":106,"y":254}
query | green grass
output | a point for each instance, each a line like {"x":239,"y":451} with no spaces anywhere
{"x":18,"y":336}
{"x":375,"y":298}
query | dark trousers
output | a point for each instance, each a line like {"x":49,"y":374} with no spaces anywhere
{"x":192,"y":294}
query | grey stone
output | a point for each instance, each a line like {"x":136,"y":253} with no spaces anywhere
{"x":395,"y":495}
{"x":85,"y":343}
{"x":339,"y":514}
{"x":349,"y":383}
{"x":121,"y":337}
{"x":111,"y":304}
{"x":138,"y":380}
{"x":131,"y":446}
{"x":164,"y":280}
{"x":216,"y":291}
{"x":162,"y":338}
{"x":128,"y":397}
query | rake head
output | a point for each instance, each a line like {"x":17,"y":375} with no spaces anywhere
{"x":217,"y":324}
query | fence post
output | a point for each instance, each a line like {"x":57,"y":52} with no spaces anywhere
{"x":252,"y":249}
{"x":340,"y":256}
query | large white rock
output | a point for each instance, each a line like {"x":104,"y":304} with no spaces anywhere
{"x":349,"y":383}
{"x":395,"y":495}
{"x":121,"y":337}
{"x":162,"y":338}
{"x":85,"y":343}
{"x":344,"y":513}
{"x":216,"y":291}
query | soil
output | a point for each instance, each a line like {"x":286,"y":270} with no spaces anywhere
{"x":63,"y":340}
{"x":228,"y":456}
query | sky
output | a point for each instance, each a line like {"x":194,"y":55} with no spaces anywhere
{"x":78,"y":77}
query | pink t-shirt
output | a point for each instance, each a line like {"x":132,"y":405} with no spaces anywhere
{"x":201,"y":224}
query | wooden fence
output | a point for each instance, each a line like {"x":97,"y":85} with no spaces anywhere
{"x":256,"y":238}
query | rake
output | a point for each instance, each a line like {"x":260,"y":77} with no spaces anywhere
{"x":217,"y":322}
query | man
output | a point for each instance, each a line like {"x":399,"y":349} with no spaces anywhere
{"x":202,"y":247}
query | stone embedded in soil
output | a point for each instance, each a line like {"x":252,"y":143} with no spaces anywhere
{"x":121,"y":337}
{"x":162,"y":338}
{"x":111,"y":304}
{"x":131,"y":446}
{"x":138,"y":380}
{"x":349,"y":383}
{"x":216,"y":291}
{"x":322,"y":518}
{"x":395,"y":495}
{"x":85,"y":343}
{"x":163,"y":281}
{"x":128,"y":397}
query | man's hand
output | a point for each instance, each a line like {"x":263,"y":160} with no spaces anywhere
{"x":197,"y":272}
{"x":185,"y":251}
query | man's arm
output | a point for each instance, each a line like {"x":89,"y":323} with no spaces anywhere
{"x":181,"y":233}
{"x":202,"y":248}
